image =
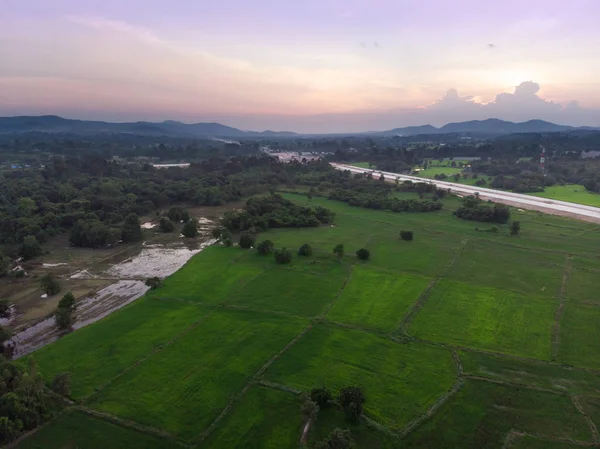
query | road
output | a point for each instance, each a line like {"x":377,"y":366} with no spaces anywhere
{"x":555,"y":207}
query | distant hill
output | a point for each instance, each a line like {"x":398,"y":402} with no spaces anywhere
{"x":55,"y":124}
{"x":489,"y":127}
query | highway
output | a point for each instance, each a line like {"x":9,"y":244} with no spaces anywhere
{"x":555,"y":207}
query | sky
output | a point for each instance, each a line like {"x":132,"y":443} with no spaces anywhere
{"x":302,"y":65}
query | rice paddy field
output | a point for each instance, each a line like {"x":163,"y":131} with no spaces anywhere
{"x":461,"y":338}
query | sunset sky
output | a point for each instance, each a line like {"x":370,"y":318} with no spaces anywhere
{"x":302,"y":65}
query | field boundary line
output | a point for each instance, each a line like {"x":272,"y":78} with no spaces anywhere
{"x":424,"y":296}
{"x":513,"y":435}
{"x":262,"y":311}
{"x":508,"y":383}
{"x":439,"y":401}
{"x":580,"y":409}
{"x":253,"y":380}
{"x":147,"y":430}
{"x":156,"y":350}
{"x":280,"y":387}
{"x":339,"y":293}
{"x":562,"y":298}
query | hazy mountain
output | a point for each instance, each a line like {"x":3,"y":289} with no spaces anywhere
{"x":490,"y":126}
{"x":54,"y":124}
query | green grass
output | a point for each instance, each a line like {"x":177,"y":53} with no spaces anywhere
{"x":537,"y":374}
{"x":509,"y":268}
{"x":363,"y":435}
{"x":183,"y":388}
{"x":210,"y":277}
{"x":360,"y":164}
{"x":481,"y":414}
{"x":290,"y":291}
{"x":528,"y":442}
{"x":582,"y":286}
{"x":377,"y":299}
{"x":77,"y":430}
{"x":579,"y":336}
{"x":97,"y":353}
{"x":573,"y":193}
{"x":432,"y":171}
{"x":264,"y":418}
{"x":486,"y":318}
{"x":400,"y":380}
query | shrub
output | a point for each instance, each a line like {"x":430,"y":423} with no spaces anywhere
{"x":305,"y":250}
{"x":61,"y":384}
{"x":352,"y":400}
{"x":153,"y":282}
{"x":190,"y":229}
{"x":30,"y":248}
{"x":337,"y":439}
{"x":227,"y":242}
{"x":406,"y":235}
{"x":339,"y":250}
{"x":265,"y":247}
{"x":283,"y":256}
{"x":4,"y":308}
{"x":67,"y":301}
{"x":178,"y":214}
{"x":515,"y":228}
{"x":363,"y":254}
{"x":50,"y":285}
{"x":247,"y":241}
{"x":166,"y":225}
{"x":322,"y":396}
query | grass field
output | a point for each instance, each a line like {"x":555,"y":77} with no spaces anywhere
{"x":78,"y":430}
{"x":216,"y":339}
{"x":184,"y":387}
{"x":481,"y":414}
{"x":527,"y":442}
{"x":338,"y":357}
{"x":377,"y":299}
{"x":573,"y":193}
{"x":487,"y":318}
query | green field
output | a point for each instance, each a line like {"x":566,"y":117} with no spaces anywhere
{"x":487,"y":318}
{"x":573,"y":193}
{"x":460,"y":319}
{"x":78,"y":430}
{"x":377,"y":299}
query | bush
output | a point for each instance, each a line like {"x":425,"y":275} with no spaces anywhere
{"x":515,"y":228}
{"x":166,"y":225}
{"x":363,"y":254}
{"x":61,"y":384}
{"x":339,"y":250}
{"x":305,"y":250}
{"x":227,"y":242}
{"x":283,"y":256}
{"x":337,"y":439}
{"x":190,"y":229}
{"x":30,"y":248}
{"x":4,"y":308}
{"x":153,"y":282}
{"x":322,"y":396}
{"x":247,"y":241}
{"x":63,"y":317}
{"x":178,"y":214}
{"x":67,"y":301}
{"x":352,"y":400}
{"x":50,"y":285}
{"x":265,"y":247}
{"x":406,"y":235}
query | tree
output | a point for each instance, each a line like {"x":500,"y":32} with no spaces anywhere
{"x":305,"y":250}
{"x":352,"y":400}
{"x":339,"y":251}
{"x":337,"y":439}
{"x":283,"y":256}
{"x":30,"y":248}
{"x":153,"y":282}
{"x":322,"y":396}
{"x":363,"y":254}
{"x":4,"y":264}
{"x":4,"y":309}
{"x":64,"y":316}
{"x":166,"y":225}
{"x":61,"y":384}
{"x":309,"y":410}
{"x":247,"y":240}
{"x":227,"y":242}
{"x":132,"y":229}
{"x":178,"y":214}
{"x":515,"y":228}
{"x":190,"y":229}
{"x":50,"y":285}
{"x":265,"y":247}
{"x":406,"y":235}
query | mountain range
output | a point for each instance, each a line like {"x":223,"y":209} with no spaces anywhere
{"x":55,"y":124}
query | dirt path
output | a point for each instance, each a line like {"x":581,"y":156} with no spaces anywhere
{"x":561,"y":309}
